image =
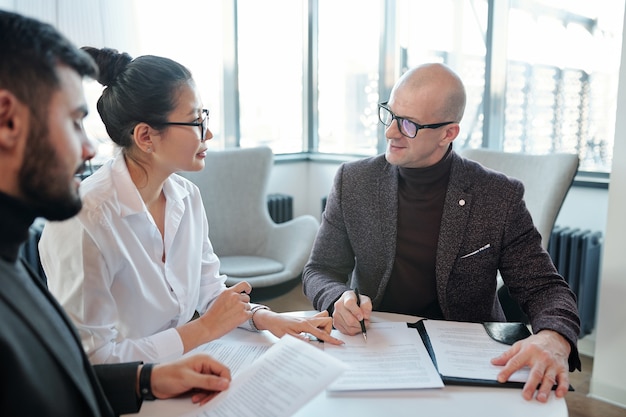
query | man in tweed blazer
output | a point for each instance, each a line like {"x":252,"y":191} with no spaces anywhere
{"x":423,"y":231}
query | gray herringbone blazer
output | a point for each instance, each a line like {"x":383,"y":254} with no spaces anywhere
{"x":356,"y":246}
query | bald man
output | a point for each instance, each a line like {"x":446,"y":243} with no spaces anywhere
{"x":422,"y":231}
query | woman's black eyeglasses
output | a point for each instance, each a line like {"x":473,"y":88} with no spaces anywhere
{"x":203,"y":124}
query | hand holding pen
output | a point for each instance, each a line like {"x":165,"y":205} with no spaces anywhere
{"x":362,"y":322}
{"x":348,"y":308}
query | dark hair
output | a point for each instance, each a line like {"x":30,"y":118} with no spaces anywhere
{"x":30,"y":51}
{"x":144,"y":89}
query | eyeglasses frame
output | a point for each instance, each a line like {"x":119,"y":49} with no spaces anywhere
{"x":204,"y":124}
{"x":398,"y":119}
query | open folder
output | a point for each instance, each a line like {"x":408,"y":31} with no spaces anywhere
{"x":462,"y":352}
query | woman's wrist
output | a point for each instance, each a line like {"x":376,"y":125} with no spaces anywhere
{"x":254,"y":310}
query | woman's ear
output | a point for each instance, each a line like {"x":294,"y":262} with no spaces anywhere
{"x":142,"y":135}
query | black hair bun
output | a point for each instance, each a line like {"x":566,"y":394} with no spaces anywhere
{"x":111,"y":63}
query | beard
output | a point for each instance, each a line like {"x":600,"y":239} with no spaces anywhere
{"x":44,"y":181}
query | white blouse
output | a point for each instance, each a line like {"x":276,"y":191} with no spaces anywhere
{"x":105,"y":267}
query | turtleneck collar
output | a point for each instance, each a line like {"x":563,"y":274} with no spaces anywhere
{"x":428,"y":175}
{"x":15,"y":219}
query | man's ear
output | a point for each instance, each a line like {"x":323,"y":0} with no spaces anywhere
{"x":13,"y":120}
{"x":451,"y":132}
{"x":142,"y":136}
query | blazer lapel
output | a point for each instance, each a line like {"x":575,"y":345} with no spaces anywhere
{"x":387,"y":212}
{"x":456,"y":211}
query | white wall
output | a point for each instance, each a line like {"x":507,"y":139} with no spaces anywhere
{"x":585,"y":208}
{"x":609,"y":368}
{"x":307,"y":182}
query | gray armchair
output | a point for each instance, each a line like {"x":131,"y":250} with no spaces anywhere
{"x":251,"y":247}
{"x":546,"y":178}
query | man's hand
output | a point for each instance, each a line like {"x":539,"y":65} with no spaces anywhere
{"x":347,"y":314}
{"x":200,"y":373}
{"x":546,"y":354}
{"x":319,"y":325}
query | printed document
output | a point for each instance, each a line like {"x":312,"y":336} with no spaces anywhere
{"x":277,"y":384}
{"x":235,"y":355}
{"x":393,"y":357}
{"x":465,"y":350}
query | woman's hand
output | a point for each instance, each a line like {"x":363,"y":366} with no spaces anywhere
{"x":230,"y":309}
{"x":318,"y":325}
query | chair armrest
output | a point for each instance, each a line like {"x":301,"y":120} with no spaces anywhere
{"x":291,"y":242}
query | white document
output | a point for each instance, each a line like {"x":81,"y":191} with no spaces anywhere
{"x":465,"y":350}
{"x":277,"y":384}
{"x":393,"y":357}
{"x":236,"y":355}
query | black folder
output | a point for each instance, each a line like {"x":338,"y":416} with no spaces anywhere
{"x":507,"y":333}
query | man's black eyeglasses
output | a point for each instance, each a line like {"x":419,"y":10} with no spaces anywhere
{"x":405,"y":126}
{"x":203,"y":124}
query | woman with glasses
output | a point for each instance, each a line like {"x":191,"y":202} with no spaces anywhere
{"x":136,"y":266}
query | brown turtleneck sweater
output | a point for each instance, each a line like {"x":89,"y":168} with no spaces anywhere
{"x":421,"y":195}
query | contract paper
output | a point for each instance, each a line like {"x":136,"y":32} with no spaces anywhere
{"x":465,"y":350}
{"x":393,"y":357}
{"x":277,"y":384}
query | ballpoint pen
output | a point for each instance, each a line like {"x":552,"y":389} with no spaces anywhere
{"x":358,"y":303}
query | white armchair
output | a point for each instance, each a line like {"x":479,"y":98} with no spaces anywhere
{"x":251,"y":247}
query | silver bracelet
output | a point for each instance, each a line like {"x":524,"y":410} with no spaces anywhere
{"x":251,"y":319}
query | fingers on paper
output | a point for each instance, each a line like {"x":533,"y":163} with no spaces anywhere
{"x":512,"y":360}
{"x":325,"y":336}
{"x":325,"y":324}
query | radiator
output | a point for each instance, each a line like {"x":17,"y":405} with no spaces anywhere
{"x":576,"y":254}
{"x":280,"y":207}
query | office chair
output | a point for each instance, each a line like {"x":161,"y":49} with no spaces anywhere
{"x":251,"y":247}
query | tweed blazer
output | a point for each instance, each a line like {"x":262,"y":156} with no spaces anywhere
{"x":485,"y":227}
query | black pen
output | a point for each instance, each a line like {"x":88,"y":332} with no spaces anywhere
{"x":358,"y":303}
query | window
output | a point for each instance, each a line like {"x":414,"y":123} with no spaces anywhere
{"x":190,"y":33}
{"x":348,"y":45}
{"x":459,"y":43}
{"x":305,"y":76}
{"x":560,"y":83}
{"x":270,"y":73}
{"x":562,"y":76}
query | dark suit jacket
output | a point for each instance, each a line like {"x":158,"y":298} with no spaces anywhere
{"x":44,"y":370}
{"x":356,"y":246}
